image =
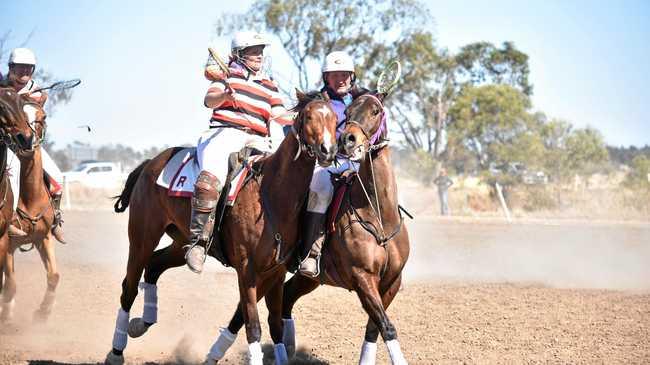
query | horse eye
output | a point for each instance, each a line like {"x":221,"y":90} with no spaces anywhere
{"x":375,"y":112}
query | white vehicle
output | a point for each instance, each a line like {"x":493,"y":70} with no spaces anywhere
{"x":96,"y":174}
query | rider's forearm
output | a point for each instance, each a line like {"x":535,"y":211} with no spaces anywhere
{"x":214,"y":99}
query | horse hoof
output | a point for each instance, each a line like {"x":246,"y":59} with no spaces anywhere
{"x":112,"y":359}
{"x":137,"y":327}
{"x":209,"y":361}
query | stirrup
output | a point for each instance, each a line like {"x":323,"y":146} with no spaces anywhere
{"x":311,"y":274}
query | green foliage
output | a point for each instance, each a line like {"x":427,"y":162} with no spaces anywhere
{"x":639,"y":176}
{"x":421,"y":166}
{"x":310,"y":29}
{"x":492,"y":123}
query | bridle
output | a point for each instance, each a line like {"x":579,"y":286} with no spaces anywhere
{"x":16,"y":142}
{"x":374,"y":141}
{"x":311,"y":151}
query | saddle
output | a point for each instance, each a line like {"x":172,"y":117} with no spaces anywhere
{"x":181,"y":171}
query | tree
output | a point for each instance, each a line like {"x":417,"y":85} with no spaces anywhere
{"x":310,"y":29}
{"x":434,"y":79}
{"x":493,"y":124}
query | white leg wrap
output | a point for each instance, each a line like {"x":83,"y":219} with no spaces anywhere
{"x":150,"y":313}
{"x":395,"y":352}
{"x":121,"y":326}
{"x":368,"y":353}
{"x":255,"y":354}
{"x":280,"y":352}
{"x":7,"y":311}
{"x":223,"y":343}
{"x":289,"y":333}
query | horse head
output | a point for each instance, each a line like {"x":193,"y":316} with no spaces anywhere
{"x":22,"y":122}
{"x":315,"y":128}
{"x":365,"y":127}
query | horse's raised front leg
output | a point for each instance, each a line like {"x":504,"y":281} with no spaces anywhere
{"x":143,"y":238}
{"x":8,"y":301}
{"x":46,"y":251}
{"x":293,"y":290}
{"x":366,"y":288}
{"x":161,"y":260}
{"x":369,"y":347}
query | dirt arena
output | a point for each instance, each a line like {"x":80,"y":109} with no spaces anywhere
{"x":475,"y":292}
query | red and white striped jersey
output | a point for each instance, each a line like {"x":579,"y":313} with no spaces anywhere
{"x":257,"y":103}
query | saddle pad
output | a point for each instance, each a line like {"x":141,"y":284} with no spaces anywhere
{"x":180,"y":173}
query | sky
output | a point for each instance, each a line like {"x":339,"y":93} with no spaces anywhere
{"x":141,"y":63}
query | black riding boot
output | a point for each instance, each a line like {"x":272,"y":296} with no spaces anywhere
{"x":57,"y":225}
{"x":204,"y":201}
{"x":313,"y":237}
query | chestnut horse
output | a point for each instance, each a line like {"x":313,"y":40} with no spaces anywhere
{"x":258,"y":233}
{"x":369,"y":246}
{"x":10,"y":113}
{"x":25,"y":125}
{"x":365,"y":253}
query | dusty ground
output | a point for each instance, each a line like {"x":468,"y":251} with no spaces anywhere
{"x":476,"y":291}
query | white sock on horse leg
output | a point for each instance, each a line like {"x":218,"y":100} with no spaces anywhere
{"x":223,"y":343}
{"x":255,"y":354}
{"x":368,"y":353}
{"x":395,"y":352}
{"x":121,"y":326}
{"x":150,"y":313}
{"x":8,"y":308}
{"x":280,"y":353}
{"x":289,"y":332}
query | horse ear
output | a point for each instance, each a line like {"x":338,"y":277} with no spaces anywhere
{"x":300,"y":95}
{"x":380,"y":96}
{"x":326,"y":96}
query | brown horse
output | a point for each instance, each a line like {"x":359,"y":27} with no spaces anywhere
{"x":369,"y":246}
{"x":365,"y":253}
{"x":35,"y":211}
{"x":9,"y":107}
{"x":258,"y":233}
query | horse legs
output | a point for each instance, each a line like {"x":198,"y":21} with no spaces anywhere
{"x":46,"y":251}
{"x":161,"y":260}
{"x":293,"y":290}
{"x":9,"y":288}
{"x":228,"y":335}
{"x":369,"y":348}
{"x":143,"y":239}
{"x":273,"y":298}
{"x":371,"y":301}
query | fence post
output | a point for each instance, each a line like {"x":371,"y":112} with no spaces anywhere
{"x":503,"y":201}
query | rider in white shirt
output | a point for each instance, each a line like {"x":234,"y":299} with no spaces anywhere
{"x":22,"y":64}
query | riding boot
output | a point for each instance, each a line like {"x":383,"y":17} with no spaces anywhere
{"x":204,"y":201}
{"x":57,"y":225}
{"x":313,"y":237}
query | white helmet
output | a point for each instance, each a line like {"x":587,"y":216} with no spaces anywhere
{"x":243,"y":40}
{"x":338,"y":61}
{"x":22,"y":56}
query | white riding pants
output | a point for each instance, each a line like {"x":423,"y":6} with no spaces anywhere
{"x":216,"y":144}
{"x":13,"y":165}
{"x":321,"y":189}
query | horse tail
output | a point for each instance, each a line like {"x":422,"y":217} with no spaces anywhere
{"x":123,"y":199}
